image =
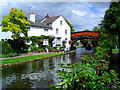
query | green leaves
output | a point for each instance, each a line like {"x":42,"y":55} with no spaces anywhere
{"x":15,"y":22}
{"x":71,"y":26}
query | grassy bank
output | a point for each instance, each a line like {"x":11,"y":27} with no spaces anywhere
{"x":21,"y":59}
{"x":114,"y":50}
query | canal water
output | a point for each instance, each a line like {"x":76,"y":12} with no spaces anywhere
{"x":38,"y":74}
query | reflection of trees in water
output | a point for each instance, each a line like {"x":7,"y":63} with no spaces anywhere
{"x":18,"y":83}
{"x":40,"y":73}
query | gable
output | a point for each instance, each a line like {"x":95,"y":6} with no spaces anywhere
{"x":58,"y":22}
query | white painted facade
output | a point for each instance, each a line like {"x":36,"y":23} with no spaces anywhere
{"x":59,"y":24}
{"x":5,"y":35}
{"x":63,"y":31}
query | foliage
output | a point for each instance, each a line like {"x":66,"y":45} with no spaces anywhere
{"x":6,"y":48}
{"x":84,"y":42}
{"x":71,"y":26}
{"x":38,"y":40}
{"x":15,"y":22}
{"x":114,"y":50}
{"x":86,"y":30}
{"x":111,"y":21}
{"x":91,"y":73}
{"x":10,"y":55}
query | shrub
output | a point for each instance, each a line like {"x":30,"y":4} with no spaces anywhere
{"x":10,"y":55}
{"x":6,"y":48}
{"x":31,"y":48}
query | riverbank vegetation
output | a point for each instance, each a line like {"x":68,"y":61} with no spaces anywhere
{"x":93,"y":73}
{"x":16,"y":47}
{"x":115,"y":50}
{"x":27,"y":58}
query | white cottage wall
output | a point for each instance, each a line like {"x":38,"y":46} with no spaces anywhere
{"x":61,"y":30}
{"x":5,"y":35}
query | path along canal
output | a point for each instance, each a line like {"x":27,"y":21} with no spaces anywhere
{"x":38,"y":74}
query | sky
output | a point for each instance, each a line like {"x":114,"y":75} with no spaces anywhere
{"x":82,"y":15}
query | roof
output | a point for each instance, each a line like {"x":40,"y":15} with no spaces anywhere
{"x":43,"y":22}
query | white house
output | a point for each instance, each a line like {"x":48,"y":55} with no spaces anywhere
{"x":50,"y":26}
{"x":4,"y":35}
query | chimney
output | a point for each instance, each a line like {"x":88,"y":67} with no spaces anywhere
{"x":32,"y":17}
{"x":47,"y":16}
{"x":12,"y":9}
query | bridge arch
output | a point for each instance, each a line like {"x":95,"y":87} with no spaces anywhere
{"x":83,"y":35}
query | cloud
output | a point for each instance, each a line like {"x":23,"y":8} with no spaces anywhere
{"x":79,"y":13}
{"x":82,"y":15}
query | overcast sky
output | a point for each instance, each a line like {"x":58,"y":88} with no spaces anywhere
{"x":82,"y":15}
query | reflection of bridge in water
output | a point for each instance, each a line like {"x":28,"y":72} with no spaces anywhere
{"x":83,"y":35}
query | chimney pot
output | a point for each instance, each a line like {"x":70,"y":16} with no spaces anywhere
{"x":32,"y":17}
{"x":47,"y":16}
{"x":12,"y":9}
{"x":31,"y":13}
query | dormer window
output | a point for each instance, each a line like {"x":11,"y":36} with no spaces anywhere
{"x":61,"y":22}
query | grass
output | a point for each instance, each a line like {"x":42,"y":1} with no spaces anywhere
{"x":114,"y":50}
{"x":20,"y":59}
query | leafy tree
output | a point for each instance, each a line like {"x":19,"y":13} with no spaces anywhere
{"x":86,"y":30}
{"x":15,"y":22}
{"x":71,"y":26}
{"x":111,"y":21}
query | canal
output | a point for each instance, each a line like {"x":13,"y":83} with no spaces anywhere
{"x":38,"y":74}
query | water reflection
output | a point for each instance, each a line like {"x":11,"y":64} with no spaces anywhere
{"x":38,"y":74}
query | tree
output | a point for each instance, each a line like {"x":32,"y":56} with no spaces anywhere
{"x":111,"y":20}
{"x":71,"y":26}
{"x":15,"y":22}
{"x":86,"y":30}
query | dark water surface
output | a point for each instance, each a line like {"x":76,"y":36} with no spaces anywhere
{"x":38,"y":74}
{"x":115,"y":63}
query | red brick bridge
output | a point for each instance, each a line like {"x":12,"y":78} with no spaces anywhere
{"x":83,"y":35}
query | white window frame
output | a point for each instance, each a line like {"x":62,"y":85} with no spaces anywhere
{"x":45,"y":41}
{"x":58,"y":41}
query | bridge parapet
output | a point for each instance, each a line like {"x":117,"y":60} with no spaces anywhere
{"x":84,"y":35}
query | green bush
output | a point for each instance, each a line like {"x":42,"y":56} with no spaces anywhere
{"x":10,"y":55}
{"x":31,"y":48}
{"x":6,"y":48}
{"x":84,"y":75}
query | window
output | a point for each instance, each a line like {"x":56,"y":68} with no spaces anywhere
{"x":28,"y":28}
{"x":28,"y":40}
{"x":46,"y":30}
{"x":66,"y":32}
{"x":58,"y":41}
{"x":65,"y":39}
{"x":56,"y":30}
{"x":60,"y":22}
{"x":45,"y":42}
